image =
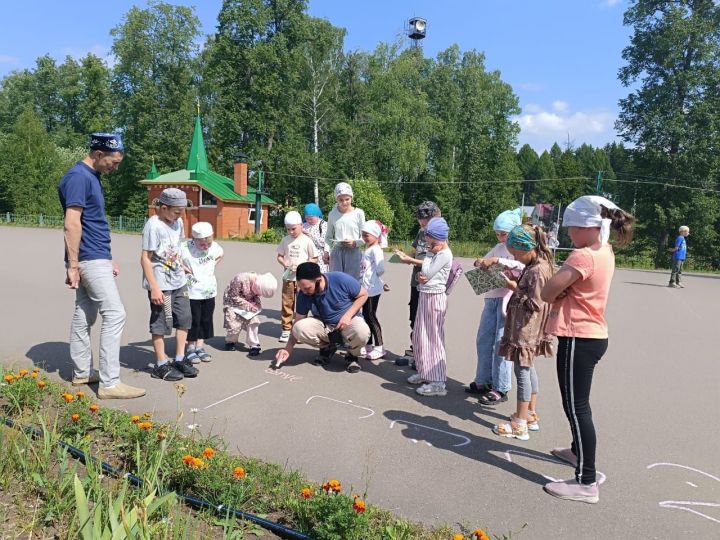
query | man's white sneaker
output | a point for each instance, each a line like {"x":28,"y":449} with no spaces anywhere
{"x":285,"y":336}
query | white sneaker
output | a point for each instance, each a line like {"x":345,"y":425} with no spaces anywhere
{"x":375,"y":353}
{"x":416,"y":378}
{"x":432,"y":389}
{"x":285,"y":336}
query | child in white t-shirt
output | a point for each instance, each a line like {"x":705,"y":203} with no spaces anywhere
{"x":372,"y":267}
{"x":295,"y":249}
{"x":199,"y":256}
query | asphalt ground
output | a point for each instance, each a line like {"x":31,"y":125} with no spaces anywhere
{"x":432,"y":459}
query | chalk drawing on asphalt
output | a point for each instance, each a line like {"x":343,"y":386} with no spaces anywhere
{"x":693,"y":507}
{"x":465,"y":440}
{"x":236,"y":395}
{"x":348,"y":402}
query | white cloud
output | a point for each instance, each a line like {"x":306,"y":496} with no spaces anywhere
{"x":5,"y":59}
{"x":541,"y":128}
{"x":609,"y":3}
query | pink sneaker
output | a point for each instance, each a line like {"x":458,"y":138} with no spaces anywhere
{"x":570,"y":490}
{"x":566,"y":455}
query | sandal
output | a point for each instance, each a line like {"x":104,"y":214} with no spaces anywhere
{"x":512,"y":431}
{"x":203,"y":355}
{"x":474,"y":388}
{"x":492,"y":397}
{"x":192,"y":356}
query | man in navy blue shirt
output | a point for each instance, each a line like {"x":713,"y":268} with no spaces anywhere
{"x":91,"y":271}
{"x":679,"y":254}
{"x":336,"y":300}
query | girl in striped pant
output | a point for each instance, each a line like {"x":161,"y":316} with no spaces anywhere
{"x":428,"y":338}
{"x":579,"y":293}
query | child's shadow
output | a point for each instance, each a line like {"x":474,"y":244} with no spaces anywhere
{"x":493,"y":451}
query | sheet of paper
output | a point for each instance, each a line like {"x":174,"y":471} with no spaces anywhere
{"x":245,"y":314}
{"x":395,"y":258}
{"x":483,"y":281}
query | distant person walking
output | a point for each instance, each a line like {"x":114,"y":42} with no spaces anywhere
{"x":679,"y":254}
{"x":578,"y":293}
{"x":91,"y":271}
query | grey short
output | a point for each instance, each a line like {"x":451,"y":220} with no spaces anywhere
{"x":181,"y":314}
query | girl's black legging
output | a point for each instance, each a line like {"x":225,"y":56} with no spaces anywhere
{"x":369,"y":312}
{"x":576,"y":360}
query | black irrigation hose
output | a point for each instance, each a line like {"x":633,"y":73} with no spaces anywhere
{"x":194,"y":502}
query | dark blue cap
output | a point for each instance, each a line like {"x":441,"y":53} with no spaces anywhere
{"x":107,"y":142}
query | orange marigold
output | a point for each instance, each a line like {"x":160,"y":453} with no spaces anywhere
{"x":145,"y":425}
{"x":209,"y":453}
{"x":332,"y":486}
{"x":306,"y":493}
{"x":479,"y":534}
{"x":75,"y":417}
{"x":68,"y":397}
{"x":80,"y":394}
{"x":238,"y":472}
{"x":187,"y":459}
{"x":359,"y":505}
{"x":94,"y":408}
{"x":41,"y":384}
{"x":9,"y":378}
{"x":135,"y":419}
{"x":458,"y":536}
{"x":23,"y":372}
{"x":35,"y":374}
{"x":198,"y":463}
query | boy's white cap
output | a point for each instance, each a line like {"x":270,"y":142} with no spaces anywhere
{"x":202,"y":229}
{"x":293,"y":218}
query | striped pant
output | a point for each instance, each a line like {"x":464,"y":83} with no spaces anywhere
{"x":428,"y":337}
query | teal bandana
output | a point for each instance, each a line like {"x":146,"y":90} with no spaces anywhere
{"x":521,"y":239}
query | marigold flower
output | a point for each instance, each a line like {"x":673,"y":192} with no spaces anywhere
{"x":147,"y":415}
{"x":458,"y":536}
{"x":359,"y":505}
{"x":197,"y":463}
{"x":35,"y":374}
{"x":209,"y":453}
{"x":41,"y":384}
{"x":80,"y":394}
{"x":161,"y":435}
{"x":306,"y":493}
{"x":75,"y":417}
{"x":36,"y":370}
{"x":94,"y":408}
{"x":238,"y":472}
{"x":135,"y":419}
{"x":68,"y":397}
{"x":332,"y":486}
{"x":145,"y":425}
{"x":9,"y":378}
{"x":23,"y":372}
{"x":479,"y":534}
{"x":187,"y":459}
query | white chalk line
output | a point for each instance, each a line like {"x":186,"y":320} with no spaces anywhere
{"x":683,"y":505}
{"x":236,"y":395}
{"x":467,"y":441}
{"x":349,"y":402}
{"x":600,"y":475}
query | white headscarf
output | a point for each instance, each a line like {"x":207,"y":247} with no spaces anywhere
{"x":586,"y":211}
{"x":343,"y":188}
{"x":378,"y":230}
{"x":266,"y":284}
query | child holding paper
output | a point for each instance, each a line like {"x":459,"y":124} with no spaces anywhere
{"x":242,"y":305}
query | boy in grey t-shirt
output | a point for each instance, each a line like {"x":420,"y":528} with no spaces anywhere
{"x":164,"y":279}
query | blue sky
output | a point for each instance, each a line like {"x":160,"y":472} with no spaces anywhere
{"x":560,"y":56}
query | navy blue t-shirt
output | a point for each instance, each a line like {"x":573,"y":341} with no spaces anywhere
{"x":81,"y":187}
{"x":340,"y":293}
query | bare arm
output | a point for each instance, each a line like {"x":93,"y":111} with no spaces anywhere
{"x":156,"y":294}
{"x":73,"y":233}
{"x":557,"y":285}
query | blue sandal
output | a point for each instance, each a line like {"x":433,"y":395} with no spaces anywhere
{"x":203,"y":355}
{"x":192,"y":356}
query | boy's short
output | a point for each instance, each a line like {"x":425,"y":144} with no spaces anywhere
{"x":181,"y":314}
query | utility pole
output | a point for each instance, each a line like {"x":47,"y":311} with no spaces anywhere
{"x":258,"y":202}
{"x":598,"y":187}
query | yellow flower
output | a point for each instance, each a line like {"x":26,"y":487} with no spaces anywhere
{"x":239,"y":472}
{"x":41,"y":384}
{"x":332,"y":486}
{"x":34,"y":374}
{"x":23,"y":372}
{"x":145,"y":425}
{"x":161,"y":435}
{"x":9,"y":378}
{"x":458,"y":536}
{"x":209,"y":453}
{"x":135,"y":419}
{"x":198,"y":463}
{"x":93,"y":408}
{"x":480,"y":535}
{"x":306,"y":493}
{"x":80,"y":394}
{"x":75,"y":417}
{"x":68,"y":397}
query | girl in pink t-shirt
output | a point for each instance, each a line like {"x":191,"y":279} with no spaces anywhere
{"x":579,"y":293}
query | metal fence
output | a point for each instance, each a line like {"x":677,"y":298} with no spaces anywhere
{"x":121,"y":223}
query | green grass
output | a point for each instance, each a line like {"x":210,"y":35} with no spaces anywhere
{"x":43,"y":490}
